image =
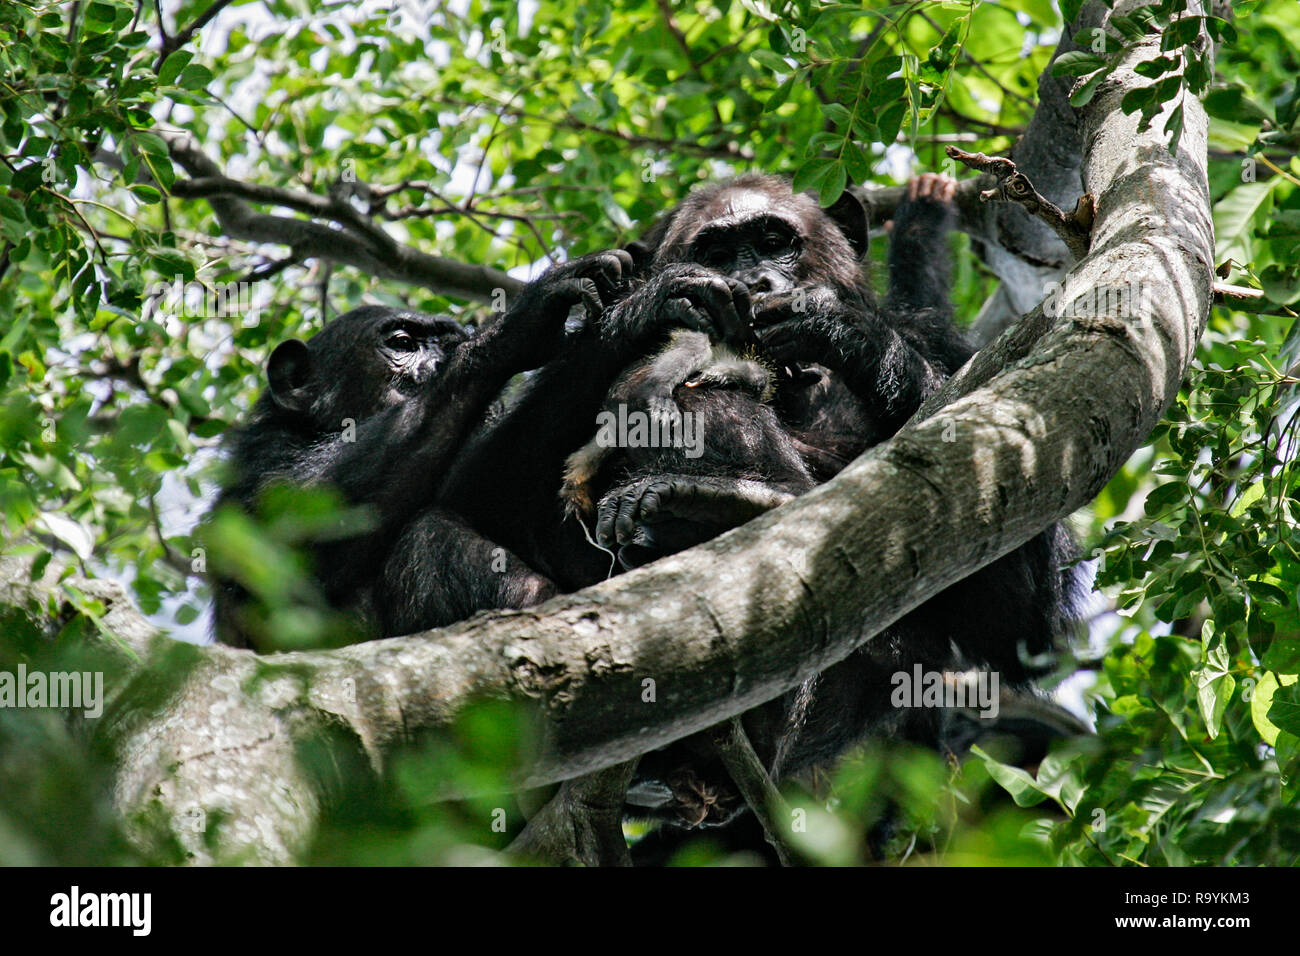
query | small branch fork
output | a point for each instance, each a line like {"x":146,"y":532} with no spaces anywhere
{"x":1075,"y":228}
{"x":582,"y":823}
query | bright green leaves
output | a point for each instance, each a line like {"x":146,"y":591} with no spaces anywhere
{"x":867,"y":94}
{"x":1214,"y":680}
{"x":1238,"y":218}
{"x":1184,"y":64}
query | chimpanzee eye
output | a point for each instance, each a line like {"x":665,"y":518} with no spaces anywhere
{"x":400,"y":340}
{"x":710,"y":255}
{"x":775,"y":242}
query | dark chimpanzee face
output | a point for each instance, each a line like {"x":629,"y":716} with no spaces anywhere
{"x":361,"y":363}
{"x":756,"y":230}
{"x":762,"y":252}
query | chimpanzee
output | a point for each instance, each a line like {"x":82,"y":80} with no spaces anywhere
{"x":376,"y":406}
{"x":858,"y":372}
{"x":702,"y":411}
{"x":738,"y":260}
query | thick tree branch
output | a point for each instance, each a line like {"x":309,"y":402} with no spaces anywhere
{"x":1031,"y":430}
{"x":350,"y":240}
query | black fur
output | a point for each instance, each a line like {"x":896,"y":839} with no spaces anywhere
{"x":849,"y":373}
{"x":408,"y":389}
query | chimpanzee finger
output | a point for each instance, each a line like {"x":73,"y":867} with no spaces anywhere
{"x":592,"y":303}
{"x":629,"y":511}
{"x":606,"y":512}
{"x":743,"y":303}
{"x":609,"y":270}
{"x":570,"y":291}
{"x":714,"y":295}
{"x":684,"y":312}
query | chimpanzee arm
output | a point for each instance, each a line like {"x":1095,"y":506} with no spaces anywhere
{"x":401,"y":454}
{"x":441,"y":571}
{"x":507,"y":482}
{"x":920,"y":261}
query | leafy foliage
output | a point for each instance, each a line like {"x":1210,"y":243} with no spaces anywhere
{"x":133,"y":328}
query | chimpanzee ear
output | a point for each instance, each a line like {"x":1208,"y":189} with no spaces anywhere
{"x":289,"y":372}
{"x":854,"y":219}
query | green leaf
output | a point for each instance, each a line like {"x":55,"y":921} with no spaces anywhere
{"x":1024,"y":790}
{"x":195,"y":77}
{"x":1231,"y":103}
{"x":1284,"y":713}
{"x":1174,"y":127}
{"x":145,"y":193}
{"x":832,"y":186}
{"x":1138,"y":99}
{"x":1077,"y":63}
{"x":837,"y":114}
{"x":1131,"y":28}
{"x":1214,"y":686}
{"x":1236,"y":216}
{"x":811,"y":174}
{"x":779,"y":98}
{"x":1157,"y":67}
{"x":172,"y":67}
{"x":770,"y":60}
{"x":1181,"y":32}
{"x":1260,"y":704}
{"x":1083,"y":95}
{"x":1070,"y":10}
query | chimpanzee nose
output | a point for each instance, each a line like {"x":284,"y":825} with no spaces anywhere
{"x":760,"y":281}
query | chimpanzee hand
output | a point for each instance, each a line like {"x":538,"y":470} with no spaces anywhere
{"x":928,"y":208}
{"x":597,"y":280}
{"x":806,"y":325}
{"x":682,"y":295}
{"x":664,"y":514}
{"x":594,"y":281}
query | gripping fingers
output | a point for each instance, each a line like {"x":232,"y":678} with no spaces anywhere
{"x":608,"y":270}
{"x":938,"y":187}
{"x":714,"y":296}
{"x":591,"y":299}
{"x":619,"y":515}
{"x":572,"y":290}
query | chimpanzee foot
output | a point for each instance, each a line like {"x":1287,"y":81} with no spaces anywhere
{"x":699,"y":803}
{"x":664,"y":514}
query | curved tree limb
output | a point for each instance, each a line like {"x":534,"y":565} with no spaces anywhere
{"x":1030,"y":431}
{"x":349,"y":238}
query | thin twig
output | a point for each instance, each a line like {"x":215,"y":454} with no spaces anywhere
{"x":750,"y":777}
{"x":170,"y":45}
{"x":1074,"y":228}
